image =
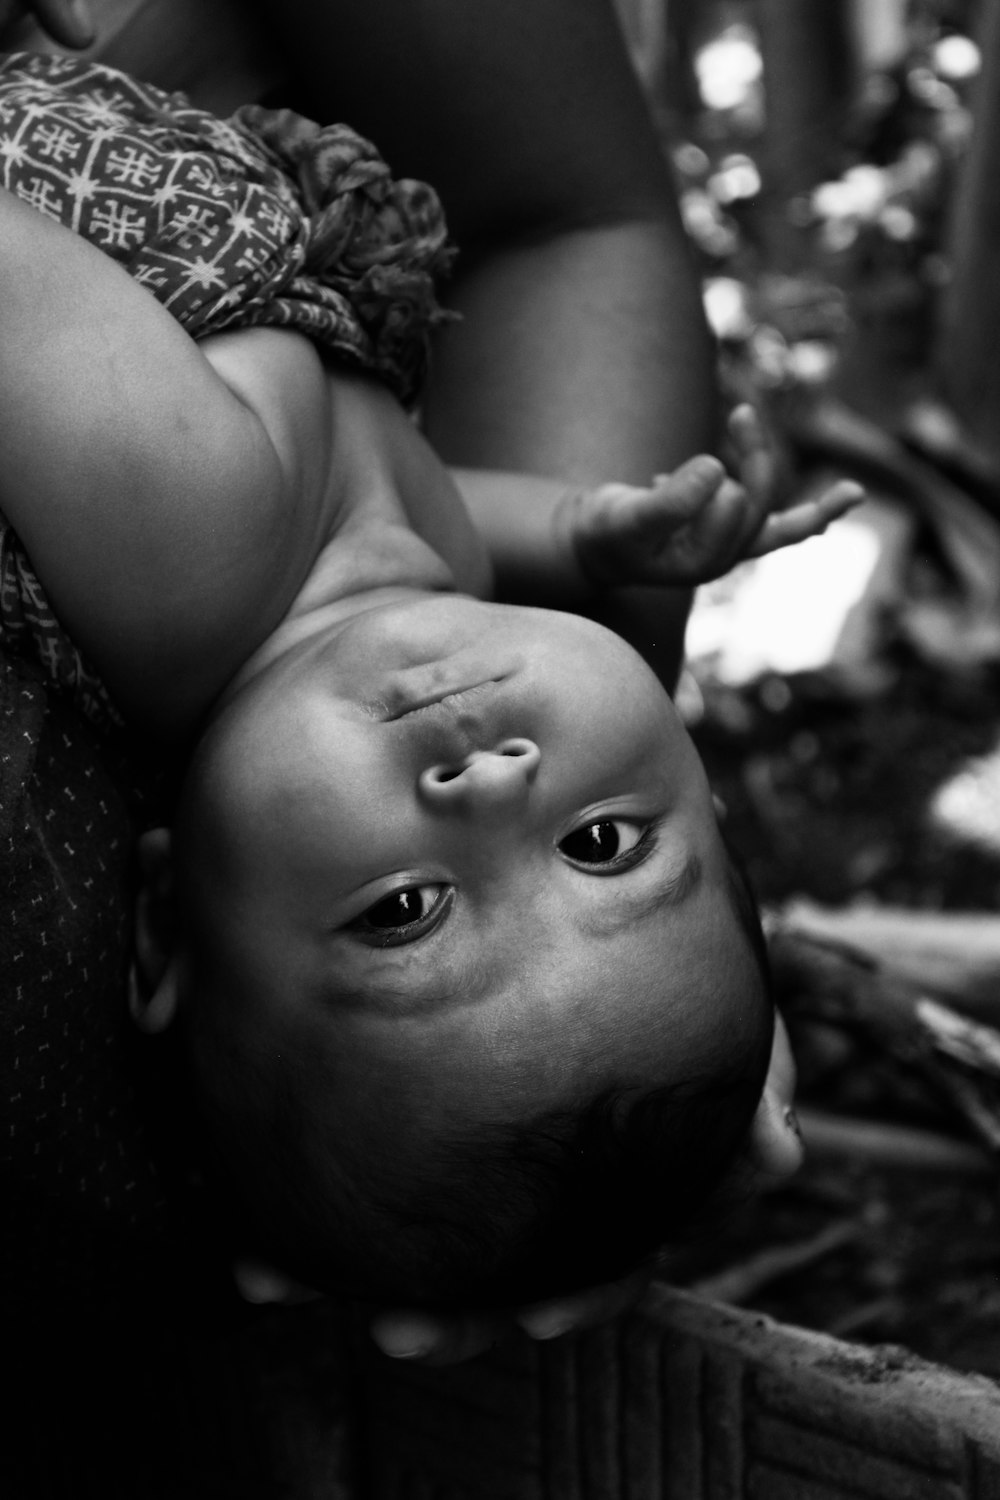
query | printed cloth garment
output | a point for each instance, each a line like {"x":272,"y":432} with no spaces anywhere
{"x":264,"y":218}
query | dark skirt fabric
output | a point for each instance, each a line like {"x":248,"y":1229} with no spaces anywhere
{"x":137,"y":1374}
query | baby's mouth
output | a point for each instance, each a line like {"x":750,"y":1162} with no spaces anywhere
{"x":452,"y":685}
{"x":453,"y":699}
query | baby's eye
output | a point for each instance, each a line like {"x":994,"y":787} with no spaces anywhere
{"x":606,"y":841}
{"x":403,"y":916}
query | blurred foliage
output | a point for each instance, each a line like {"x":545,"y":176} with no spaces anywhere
{"x":880,"y":783}
{"x":874,"y":234}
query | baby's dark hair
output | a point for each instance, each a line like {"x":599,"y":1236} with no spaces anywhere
{"x":493,"y":1213}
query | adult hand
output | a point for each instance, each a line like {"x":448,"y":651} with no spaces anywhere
{"x":443,"y":1339}
{"x":68,"y":22}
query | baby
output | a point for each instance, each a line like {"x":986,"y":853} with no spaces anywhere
{"x":472,"y":1003}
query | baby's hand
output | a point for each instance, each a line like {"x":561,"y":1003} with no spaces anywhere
{"x":696,"y":523}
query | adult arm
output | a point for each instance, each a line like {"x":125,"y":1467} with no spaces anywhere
{"x":582,"y":353}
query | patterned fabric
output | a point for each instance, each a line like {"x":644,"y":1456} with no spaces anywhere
{"x":262,"y":219}
{"x":265,"y":218}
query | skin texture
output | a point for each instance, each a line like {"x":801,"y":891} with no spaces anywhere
{"x":452,"y":863}
{"x":229,"y":439}
{"x":560,"y":207}
{"x":392,"y":810}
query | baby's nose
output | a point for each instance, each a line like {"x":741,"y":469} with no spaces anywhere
{"x":483,"y":780}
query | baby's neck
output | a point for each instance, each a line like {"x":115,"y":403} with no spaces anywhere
{"x":396,"y":528}
{"x":378,"y":519}
{"x":394,"y":514}
{"x":323,"y":618}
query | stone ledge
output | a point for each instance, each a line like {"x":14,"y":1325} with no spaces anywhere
{"x":683,"y":1400}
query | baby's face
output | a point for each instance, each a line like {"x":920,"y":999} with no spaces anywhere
{"x":467,"y":854}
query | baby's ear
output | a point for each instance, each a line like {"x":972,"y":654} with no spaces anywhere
{"x":153,"y":982}
{"x":776,"y":1141}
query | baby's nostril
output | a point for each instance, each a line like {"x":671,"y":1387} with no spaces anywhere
{"x":447,"y":773}
{"x":515,"y":747}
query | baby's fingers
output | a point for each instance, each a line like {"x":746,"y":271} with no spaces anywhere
{"x":811,"y":518}
{"x":678,"y":497}
{"x":622,"y":529}
{"x":751,"y":446}
{"x":755,"y":458}
{"x":692,"y":496}
{"x":548,"y":1320}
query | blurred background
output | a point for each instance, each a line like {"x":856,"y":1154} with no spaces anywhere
{"x":836,"y":162}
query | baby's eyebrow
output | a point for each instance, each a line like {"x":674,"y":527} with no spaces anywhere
{"x":671,"y":890}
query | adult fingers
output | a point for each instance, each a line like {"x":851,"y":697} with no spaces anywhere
{"x":548,"y":1320}
{"x":260,"y":1284}
{"x":433,"y":1340}
{"x":399,"y":1333}
{"x":449,"y":1340}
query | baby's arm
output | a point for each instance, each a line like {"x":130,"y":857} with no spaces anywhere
{"x":143,"y":487}
{"x":561,"y":545}
{"x":521,"y":519}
